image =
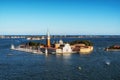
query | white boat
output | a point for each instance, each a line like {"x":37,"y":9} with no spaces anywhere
{"x":12,"y":46}
{"x":107,"y":63}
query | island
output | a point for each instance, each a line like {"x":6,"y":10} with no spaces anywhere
{"x":113,"y":48}
{"x":56,"y":47}
{"x":78,"y":46}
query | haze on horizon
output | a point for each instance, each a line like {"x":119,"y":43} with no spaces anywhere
{"x":76,"y":17}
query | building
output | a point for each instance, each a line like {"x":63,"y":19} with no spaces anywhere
{"x":58,"y":44}
{"x":64,"y":49}
{"x":86,"y":49}
{"x":67,"y":48}
{"x":82,"y":48}
{"x":48,"y":40}
{"x":61,"y":42}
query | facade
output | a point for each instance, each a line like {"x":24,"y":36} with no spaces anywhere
{"x":82,"y":48}
{"x":59,"y":51}
{"x":86,"y":49}
{"x":65,"y":49}
{"x":57,"y":45}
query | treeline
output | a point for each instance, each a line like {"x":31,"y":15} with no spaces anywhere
{"x":34,"y":43}
{"x":114,"y":47}
{"x":86,"y":42}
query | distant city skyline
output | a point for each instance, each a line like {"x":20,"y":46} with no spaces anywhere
{"x":61,"y":17}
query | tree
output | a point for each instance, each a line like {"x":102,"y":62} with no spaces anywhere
{"x":86,"y":42}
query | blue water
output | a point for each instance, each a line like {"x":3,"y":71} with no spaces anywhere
{"x":15,"y":65}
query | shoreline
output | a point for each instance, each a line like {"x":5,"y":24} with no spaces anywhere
{"x":112,"y":49}
{"x":40,"y":52}
{"x":28,"y":50}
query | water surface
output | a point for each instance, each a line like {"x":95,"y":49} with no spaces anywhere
{"x":15,"y":65}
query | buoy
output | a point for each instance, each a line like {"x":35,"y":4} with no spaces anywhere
{"x":79,"y":68}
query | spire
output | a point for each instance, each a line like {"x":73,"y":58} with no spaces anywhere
{"x":48,"y":34}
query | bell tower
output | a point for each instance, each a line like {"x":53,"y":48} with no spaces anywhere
{"x":48,"y":39}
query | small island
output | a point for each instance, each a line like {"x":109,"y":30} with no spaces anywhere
{"x":113,"y":48}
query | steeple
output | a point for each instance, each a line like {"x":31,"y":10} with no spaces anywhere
{"x":48,"y":34}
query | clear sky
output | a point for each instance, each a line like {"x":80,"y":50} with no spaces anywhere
{"x":76,"y":17}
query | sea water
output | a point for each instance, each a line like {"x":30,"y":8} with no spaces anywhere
{"x":99,"y":65}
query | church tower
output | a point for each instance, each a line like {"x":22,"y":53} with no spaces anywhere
{"x":48,"y":39}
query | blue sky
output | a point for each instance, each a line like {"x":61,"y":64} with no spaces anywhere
{"x":76,"y":17}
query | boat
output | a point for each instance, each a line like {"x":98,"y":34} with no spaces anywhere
{"x":12,"y":46}
{"x":107,"y":62}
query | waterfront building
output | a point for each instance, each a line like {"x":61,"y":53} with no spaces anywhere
{"x":67,"y":48}
{"x":42,"y":37}
{"x":82,"y":48}
{"x":64,"y":49}
{"x":59,"y":50}
{"x":86,"y":49}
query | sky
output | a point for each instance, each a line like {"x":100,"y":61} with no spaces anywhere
{"x":60,"y":17}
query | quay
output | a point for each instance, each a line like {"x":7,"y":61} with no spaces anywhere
{"x":26,"y":50}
